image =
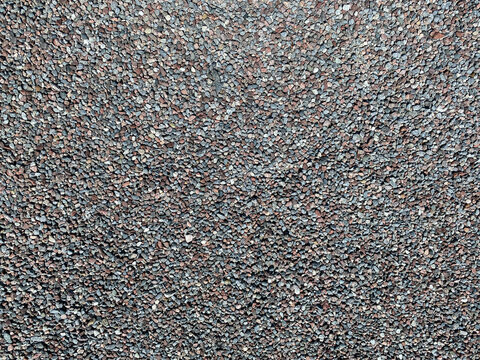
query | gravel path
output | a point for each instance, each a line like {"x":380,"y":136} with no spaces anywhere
{"x":239,"y":179}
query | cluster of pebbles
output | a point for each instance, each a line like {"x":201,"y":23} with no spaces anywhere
{"x":239,"y":179}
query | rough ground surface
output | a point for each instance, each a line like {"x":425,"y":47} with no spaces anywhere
{"x":239,"y":180}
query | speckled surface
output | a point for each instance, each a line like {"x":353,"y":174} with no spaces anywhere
{"x":239,"y":180}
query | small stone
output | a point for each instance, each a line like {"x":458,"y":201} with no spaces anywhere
{"x":7,"y":338}
{"x":436,"y":35}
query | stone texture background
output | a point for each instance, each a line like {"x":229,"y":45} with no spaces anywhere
{"x":239,"y":179}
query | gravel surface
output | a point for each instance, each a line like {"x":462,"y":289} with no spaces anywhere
{"x":239,"y":179}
